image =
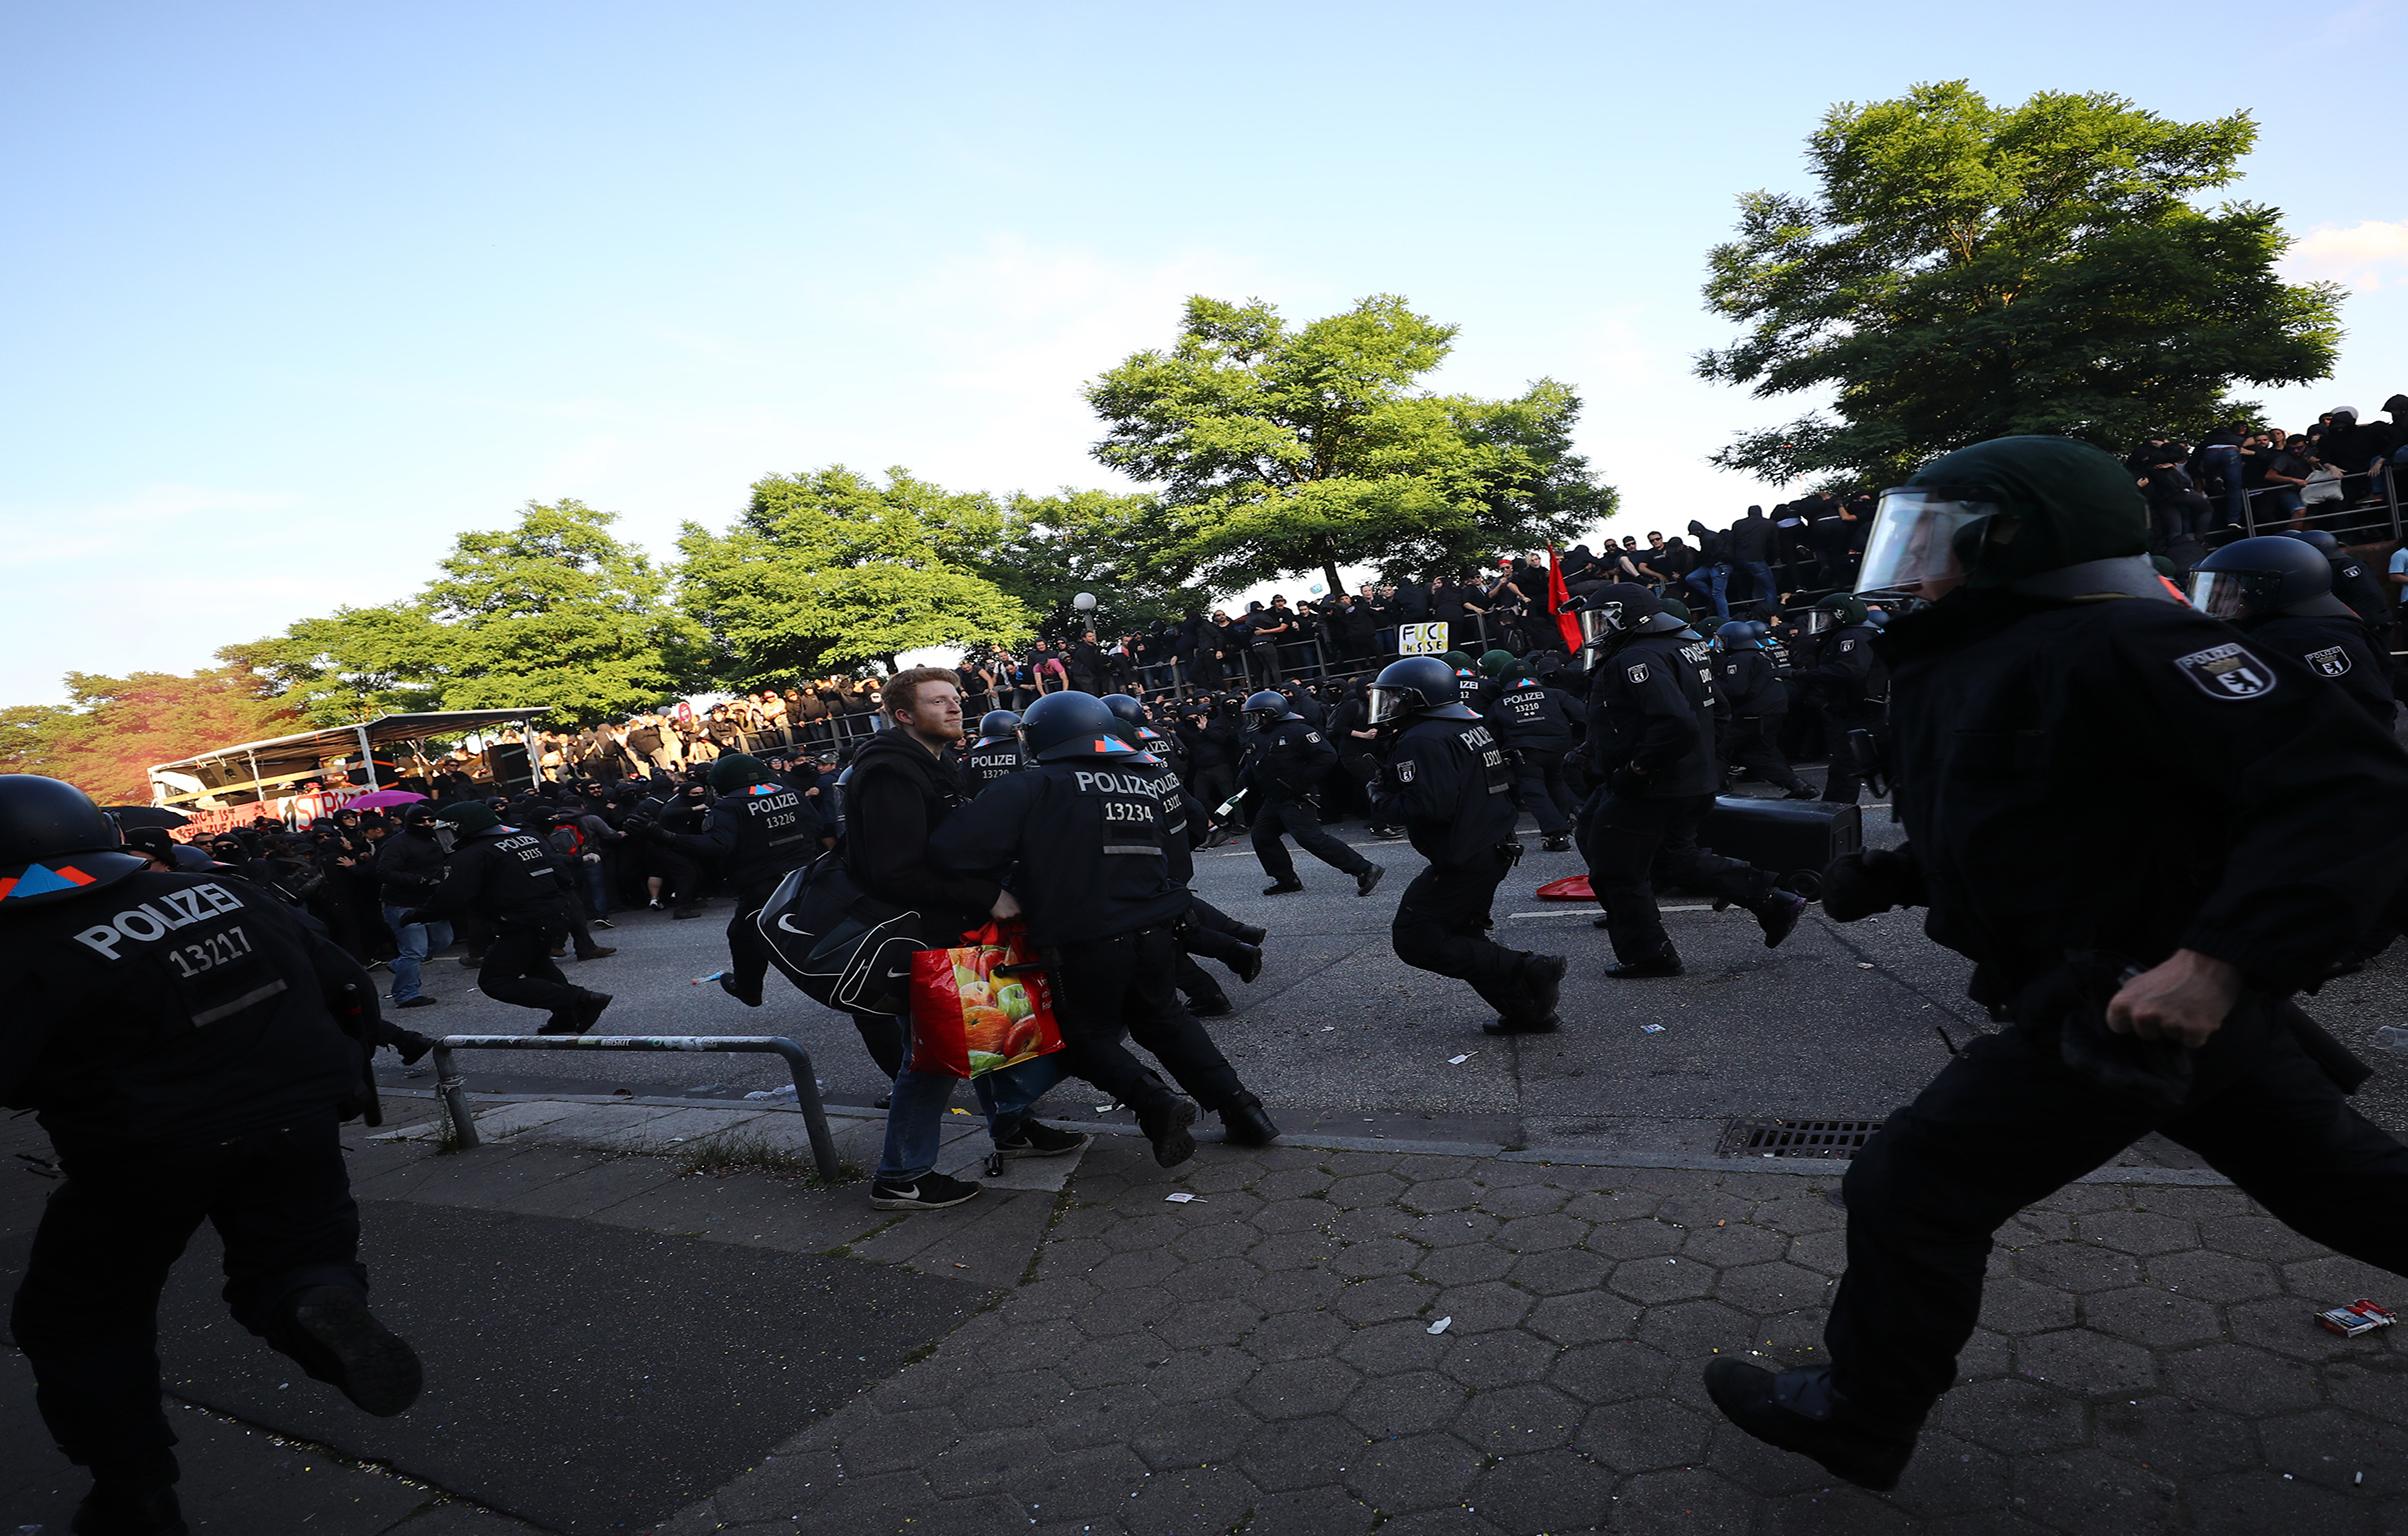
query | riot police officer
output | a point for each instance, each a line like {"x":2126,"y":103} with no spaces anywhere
{"x":2280,"y":592}
{"x":758,"y":830}
{"x":1447,"y":784}
{"x":995,"y":753}
{"x":502,"y":876}
{"x":1536,"y":723}
{"x":1755,"y":701}
{"x":1852,"y":686}
{"x":178,"y":1037}
{"x":2146,"y":830}
{"x":1286,"y":760}
{"x":1651,"y":753}
{"x":1081,"y":835}
{"x":2359,"y":588}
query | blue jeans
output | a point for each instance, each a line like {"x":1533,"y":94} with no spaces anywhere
{"x":1760,"y":583}
{"x":2225,"y":461}
{"x":1713,"y":582}
{"x":416,"y":941}
{"x":915,"y":1115}
{"x":597,"y":890}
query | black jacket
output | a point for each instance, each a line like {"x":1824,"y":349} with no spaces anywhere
{"x":757,"y":833}
{"x":1446,"y":782}
{"x":988,"y":761}
{"x":164,"y":1009}
{"x":1847,"y":674}
{"x":2132,"y":777}
{"x":1647,"y":715}
{"x":1286,"y":760}
{"x":1529,"y":716}
{"x":506,"y":876}
{"x":2334,"y":646}
{"x":1751,"y":540}
{"x":1751,"y":684}
{"x":899,"y":794}
{"x":409,"y":869}
{"x":1088,"y":845}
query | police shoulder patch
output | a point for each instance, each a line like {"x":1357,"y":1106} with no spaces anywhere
{"x":2230,"y":671}
{"x":1636,"y":672}
{"x":1404,"y":771}
{"x":2332,"y":661}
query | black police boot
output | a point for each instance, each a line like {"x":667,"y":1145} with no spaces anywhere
{"x":1367,"y":877}
{"x":1802,"y":792}
{"x":1665,"y":964}
{"x":1522,"y":1024}
{"x":1283,"y":887}
{"x":1778,"y":915}
{"x":332,"y":1335}
{"x":1250,"y":964}
{"x":1556,"y":842}
{"x":114,"y":1510}
{"x":736,"y":990}
{"x":1543,"y":978}
{"x":1801,"y":1411}
{"x":1216,"y":1006}
{"x":1171,"y":1128}
{"x":1247,"y":933}
{"x":1245,"y":1124}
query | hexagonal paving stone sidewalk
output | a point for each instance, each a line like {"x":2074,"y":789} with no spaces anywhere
{"x":1261,"y":1360}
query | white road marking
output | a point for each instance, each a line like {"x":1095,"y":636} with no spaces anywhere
{"x":1590,"y":910}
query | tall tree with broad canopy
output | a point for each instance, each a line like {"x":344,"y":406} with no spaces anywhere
{"x":1281,"y":449}
{"x":828,"y":569}
{"x":111,"y":729}
{"x":1967,"y":271}
{"x":1055,"y":547}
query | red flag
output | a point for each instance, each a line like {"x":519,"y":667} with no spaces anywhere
{"x":1559,"y":597}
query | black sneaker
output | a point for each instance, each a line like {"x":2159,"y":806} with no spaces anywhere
{"x":1778,"y":915}
{"x":1556,"y":844}
{"x":1282,"y":887}
{"x":1171,"y":1131}
{"x":602,"y":922}
{"x":1210,"y":1008}
{"x":598,"y":952}
{"x":928,"y":1192}
{"x":1800,"y":1411}
{"x":1037,"y":1139}
{"x":116,"y":1511}
{"x":1249,"y":965}
{"x":732,"y":988}
{"x":420,"y":1001}
{"x":682,"y":912}
{"x":1641,"y":970}
{"x":1367,"y":877}
{"x":336,"y":1339}
{"x":472,"y":961}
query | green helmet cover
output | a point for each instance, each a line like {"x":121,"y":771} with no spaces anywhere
{"x":1496,"y":663}
{"x":737,"y":771}
{"x":2060,"y":503}
{"x":468,"y":816}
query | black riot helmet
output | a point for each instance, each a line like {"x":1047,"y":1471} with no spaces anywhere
{"x":55,"y":842}
{"x":1623,"y":608}
{"x":2316,"y":539}
{"x":1125,"y":708}
{"x":1737,"y":635}
{"x":1416,"y":688}
{"x":1063,"y":726}
{"x":2252,"y":578}
{"x":998,"y":725}
{"x":1269,"y":704}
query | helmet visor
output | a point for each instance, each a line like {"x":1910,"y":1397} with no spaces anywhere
{"x":1598,"y":625}
{"x":2222,"y":594}
{"x":1914,"y":539}
{"x":1386,"y":706}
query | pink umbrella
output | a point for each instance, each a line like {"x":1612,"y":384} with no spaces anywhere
{"x":377,"y":800}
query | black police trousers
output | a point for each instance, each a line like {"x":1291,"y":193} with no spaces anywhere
{"x":87,"y":1314}
{"x":1627,"y":840}
{"x":1106,"y":990}
{"x":1842,"y":779}
{"x":1753,"y":743}
{"x":2006,"y":1123}
{"x":1539,"y":786}
{"x":518,"y":970}
{"x":1441,"y":926}
{"x":1212,"y":933}
{"x":747,"y":951}
{"x":1298,"y":820}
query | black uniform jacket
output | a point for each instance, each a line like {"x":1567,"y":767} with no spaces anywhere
{"x":1286,"y":760}
{"x":1447,"y":783}
{"x":168,"y":1008}
{"x":2131,"y":777}
{"x":1088,"y":841}
{"x":1751,"y":684}
{"x":1529,"y":716}
{"x":1647,"y":712}
{"x":503,"y":874}
{"x":2337,"y":647}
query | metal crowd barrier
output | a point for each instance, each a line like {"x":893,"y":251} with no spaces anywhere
{"x":451,"y":1089}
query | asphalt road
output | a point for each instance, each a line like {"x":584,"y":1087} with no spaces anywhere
{"x":1340,"y":1037}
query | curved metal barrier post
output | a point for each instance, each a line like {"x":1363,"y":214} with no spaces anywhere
{"x":452,"y":1089}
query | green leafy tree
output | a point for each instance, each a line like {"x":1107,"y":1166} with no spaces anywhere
{"x":831,"y":570}
{"x":359,"y":663}
{"x":104,"y":739}
{"x":1114,"y":546}
{"x":1282,"y":449}
{"x":1968,"y":270}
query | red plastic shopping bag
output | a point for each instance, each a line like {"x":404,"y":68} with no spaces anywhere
{"x":980,"y":1005}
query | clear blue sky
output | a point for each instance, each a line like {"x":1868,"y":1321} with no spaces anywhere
{"x":295,"y":293}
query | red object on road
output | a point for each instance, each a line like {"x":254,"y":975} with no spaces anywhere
{"x":1569,"y":888}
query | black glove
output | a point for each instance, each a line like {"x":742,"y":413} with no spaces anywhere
{"x":410,"y":1045}
{"x":1857,"y":885}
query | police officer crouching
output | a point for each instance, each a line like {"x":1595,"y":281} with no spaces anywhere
{"x":2280,"y":591}
{"x":1081,"y":834}
{"x":503,"y":877}
{"x":1446,"y":782}
{"x":1651,"y":750}
{"x":177,"y":1036}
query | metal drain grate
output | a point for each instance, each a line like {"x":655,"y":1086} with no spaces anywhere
{"x":1797,"y":1138}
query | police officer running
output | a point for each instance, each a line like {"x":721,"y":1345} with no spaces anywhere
{"x":2279,"y":592}
{"x":503,"y":877}
{"x":1446,"y":782}
{"x":1537,"y":723}
{"x":1082,"y":835}
{"x":758,"y":830}
{"x":2146,"y":830}
{"x":1755,"y":701}
{"x":1651,"y":752}
{"x":177,"y":1036}
{"x":1286,"y":760}
{"x":995,"y":754}
{"x":1848,"y":680}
